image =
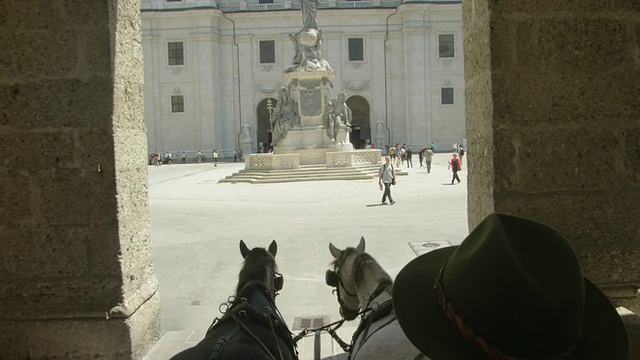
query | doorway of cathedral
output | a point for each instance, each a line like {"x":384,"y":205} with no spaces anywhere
{"x":361,"y":128}
{"x":263,"y":114}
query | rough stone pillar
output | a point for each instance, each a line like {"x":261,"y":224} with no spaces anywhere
{"x":553,"y":121}
{"x":76,"y":277}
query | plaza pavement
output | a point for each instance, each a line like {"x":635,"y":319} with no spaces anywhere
{"x":197,"y":223}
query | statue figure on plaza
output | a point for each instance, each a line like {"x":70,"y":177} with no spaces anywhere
{"x":285,"y":116}
{"x":246,"y":131}
{"x":338,"y":115}
{"x":380,"y":127}
{"x":307,"y":42}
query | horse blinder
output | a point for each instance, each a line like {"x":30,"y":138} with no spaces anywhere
{"x":332,"y":278}
{"x":278,"y":281}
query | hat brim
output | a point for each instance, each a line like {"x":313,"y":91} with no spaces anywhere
{"x":421,"y":317}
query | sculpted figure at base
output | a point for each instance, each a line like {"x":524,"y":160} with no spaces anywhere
{"x":338,"y":115}
{"x":285,"y":116}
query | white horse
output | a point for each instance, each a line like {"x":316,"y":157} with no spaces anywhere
{"x":364,"y":288}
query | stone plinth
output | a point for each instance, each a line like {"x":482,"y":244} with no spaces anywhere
{"x":311,"y":90}
{"x":247,"y":147}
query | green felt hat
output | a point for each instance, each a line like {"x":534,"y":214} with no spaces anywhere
{"x":513,"y":289}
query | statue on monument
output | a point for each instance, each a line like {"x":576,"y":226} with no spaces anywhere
{"x":285,"y":116}
{"x":307,"y":42}
{"x":309,"y":10}
{"x":337,"y":116}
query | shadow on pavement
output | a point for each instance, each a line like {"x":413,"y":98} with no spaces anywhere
{"x":336,"y":357}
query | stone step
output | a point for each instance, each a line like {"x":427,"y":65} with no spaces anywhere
{"x":306,"y":173}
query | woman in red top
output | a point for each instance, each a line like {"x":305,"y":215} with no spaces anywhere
{"x":455,"y":166}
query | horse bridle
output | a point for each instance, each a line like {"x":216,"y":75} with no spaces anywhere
{"x":333,"y":279}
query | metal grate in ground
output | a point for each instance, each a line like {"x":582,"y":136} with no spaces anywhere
{"x":301,"y":323}
{"x":420,"y":248}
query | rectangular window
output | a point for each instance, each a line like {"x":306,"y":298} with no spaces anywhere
{"x":446,"y":46}
{"x":268,"y":52}
{"x":265,"y":1}
{"x":176,"y":53}
{"x":356,"y":49}
{"x":174,"y":0}
{"x":177,"y":104}
{"x":447,"y":96}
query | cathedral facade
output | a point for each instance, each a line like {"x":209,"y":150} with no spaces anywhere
{"x":212,"y":66}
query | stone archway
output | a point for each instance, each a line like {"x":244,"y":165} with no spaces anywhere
{"x":360,"y":124}
{"x":264,"y":125}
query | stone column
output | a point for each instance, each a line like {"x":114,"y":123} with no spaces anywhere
{"x":76,"y":276}
{"x":553,"y":123}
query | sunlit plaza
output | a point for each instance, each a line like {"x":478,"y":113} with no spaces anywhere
{"x":197,"y":223}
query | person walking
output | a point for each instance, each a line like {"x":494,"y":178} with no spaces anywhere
{"x":409,"y":157}
{"x":184,"y":157}
{"x":214,"y":154}
{"x":455,"y":166}
{"x":386,"y":178}
{"x":428,"y":155}
{"x":421,"y":154}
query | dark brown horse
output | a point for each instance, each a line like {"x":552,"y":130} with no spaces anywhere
{"x":251,"y":327}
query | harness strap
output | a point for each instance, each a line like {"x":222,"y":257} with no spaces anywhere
{"x":382,"y":311}
{"x":248,"y":331}
{"x":221,"y":343}
{"x":280,"y":331}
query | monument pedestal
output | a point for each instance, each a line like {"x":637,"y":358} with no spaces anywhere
{"x":311,"y":91}
{"x":247,"y":148}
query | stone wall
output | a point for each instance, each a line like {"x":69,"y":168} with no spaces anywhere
{"x":553,"y":122}
{"x":77,"y":280}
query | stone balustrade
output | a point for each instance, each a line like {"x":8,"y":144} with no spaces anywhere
{"x":272,"y":162}
{"x":355,"y":157}
{"x":292,"y":161}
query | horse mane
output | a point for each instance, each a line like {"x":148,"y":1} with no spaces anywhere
{"x":254,"y":266}
{"x":360,"y":263}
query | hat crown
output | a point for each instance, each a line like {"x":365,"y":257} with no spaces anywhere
{"x":517,"y":284}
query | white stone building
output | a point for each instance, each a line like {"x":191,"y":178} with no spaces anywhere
{"x":209,"y":65}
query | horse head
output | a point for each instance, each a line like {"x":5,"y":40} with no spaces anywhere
{"x":343,"y":278}
{"x":260,"y":268}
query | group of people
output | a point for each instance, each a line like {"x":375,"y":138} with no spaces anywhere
{"x":159,"y":159}
{"x":399,"y":155}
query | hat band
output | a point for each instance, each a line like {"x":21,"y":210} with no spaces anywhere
{"x":470,"y":335}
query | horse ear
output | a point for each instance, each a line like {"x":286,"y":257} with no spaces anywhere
{"x":273,"y":248}
{"x":337,"y":253}
{"x":360,"y":247}
{"x":244,"y":250}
